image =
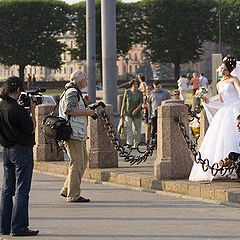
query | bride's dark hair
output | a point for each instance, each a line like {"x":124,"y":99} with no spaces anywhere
{"x":230,"y":62}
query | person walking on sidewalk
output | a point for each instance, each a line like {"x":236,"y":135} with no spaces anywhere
{"x":148,"y":125}
{"x":74,"y":106}
{"x":17,"y":138}
{"x":195,"y":82}
{"x":131,"y":112}
{"x":155,"y":99}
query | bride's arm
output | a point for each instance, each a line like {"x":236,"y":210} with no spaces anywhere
{"x":236,"y":83}
{"x":219,"y":95}
{"x":220,"y":98}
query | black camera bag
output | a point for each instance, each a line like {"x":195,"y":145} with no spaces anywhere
{"x":57,"y":128}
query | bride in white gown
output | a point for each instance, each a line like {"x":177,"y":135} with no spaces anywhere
{"x":222,"y":136}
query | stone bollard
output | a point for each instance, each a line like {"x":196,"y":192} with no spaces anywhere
{"x":173,"y":158}
{"x":43,"y":151}
{"x":101,"y":151}
{"x":119,"y":102}
{"x":204,"y":124}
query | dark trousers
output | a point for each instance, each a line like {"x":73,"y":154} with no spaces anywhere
{"x":18,"y":168}
{"x":154,"y":127}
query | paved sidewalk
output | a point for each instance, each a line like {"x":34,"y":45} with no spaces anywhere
{"x":140,"y":177}
{"x":118,"y":214}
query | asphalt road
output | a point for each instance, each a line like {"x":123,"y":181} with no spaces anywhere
{"x":120,"y":214}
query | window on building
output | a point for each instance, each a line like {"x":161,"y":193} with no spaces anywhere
{"x":124,"y":69}
{"x":130,"y":56}
{"x":130,"y":69}
{"x":65,"y":70}
{"x":136,"y":68}
{"x":117,"y":70}
{"x":41,"y":70}
{"x":71,"y":69}
{"x":135,"y":55}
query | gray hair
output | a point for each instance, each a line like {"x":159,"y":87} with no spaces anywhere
{"x":77,"y":76}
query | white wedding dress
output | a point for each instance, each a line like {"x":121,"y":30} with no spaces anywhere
{"x":222,"y":136}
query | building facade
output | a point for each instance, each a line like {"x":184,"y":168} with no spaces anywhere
{"x":129,"y":64}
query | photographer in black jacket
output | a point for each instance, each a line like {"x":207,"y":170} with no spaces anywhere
{"x":17,"y":138}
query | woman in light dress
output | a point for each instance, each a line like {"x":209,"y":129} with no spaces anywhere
{"x":183,"y":86}
{"x":222,"y":136}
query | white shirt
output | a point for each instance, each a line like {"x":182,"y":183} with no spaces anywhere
{"x":203,"y":81}
{"x":182,"y":84}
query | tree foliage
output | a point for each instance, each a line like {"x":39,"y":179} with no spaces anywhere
{"x":230,"y":22}
{"x":126,"y":28}
{"x":174,"y":31}
{"x":28,"y":32}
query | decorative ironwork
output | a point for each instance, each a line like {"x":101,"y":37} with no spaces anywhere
{"x":126,"y":150}
{"x":215,"y":168}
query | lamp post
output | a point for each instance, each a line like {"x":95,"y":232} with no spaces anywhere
{"x":126,"y":61}
{"x":219,"y":26}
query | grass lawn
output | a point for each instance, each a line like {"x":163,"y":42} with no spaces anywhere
{"x":52,"y":92}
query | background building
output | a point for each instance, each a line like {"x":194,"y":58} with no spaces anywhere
{"x":131,"y":64}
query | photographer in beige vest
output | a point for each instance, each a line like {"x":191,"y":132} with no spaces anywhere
{"x":73,"y":106}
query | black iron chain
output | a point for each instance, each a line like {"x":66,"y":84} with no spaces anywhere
{"x":215,"y":168}
{"x":194,"y":114}
{"x":126,"y":150}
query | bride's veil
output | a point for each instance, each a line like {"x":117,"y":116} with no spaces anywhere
{"x":214,"y":105}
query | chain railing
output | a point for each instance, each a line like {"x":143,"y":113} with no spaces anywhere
{"x":215,"y":168}
{"x":126,"y":151}
{"x":194,"y":114}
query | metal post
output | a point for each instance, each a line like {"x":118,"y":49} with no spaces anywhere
{"x":219,"y":26}
{"x":91,"y":48}
{"x":108,"y":19}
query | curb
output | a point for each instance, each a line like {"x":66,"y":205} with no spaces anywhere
{"x":218,"y":193}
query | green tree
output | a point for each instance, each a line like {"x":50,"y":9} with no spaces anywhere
{"x":126,"y":29}
{"x":29,"y":30}
{"x":230,"y":22}
{"x":174,"y":31}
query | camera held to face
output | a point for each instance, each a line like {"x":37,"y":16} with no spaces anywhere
{"x":26,"y":97}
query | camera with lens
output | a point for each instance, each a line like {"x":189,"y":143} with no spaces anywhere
{"x":96,"y":105}
{"x":26,"y":97}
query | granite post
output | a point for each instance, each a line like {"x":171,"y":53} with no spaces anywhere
{"x":173,"y":158}
{"x":101,"y":151}
{"x":43,"y":150}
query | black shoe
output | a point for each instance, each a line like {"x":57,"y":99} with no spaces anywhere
{"x":26,"y":233}
{"x":63,"y":195}
{"x":82,"y":199}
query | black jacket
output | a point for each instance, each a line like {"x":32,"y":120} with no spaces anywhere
{"x":16,"y":125}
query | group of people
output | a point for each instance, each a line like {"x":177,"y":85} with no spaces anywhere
{"x":31,"y":81}
{"x":142,"y":96}
{"x":220,"y":144}
{"x":195,"y":81}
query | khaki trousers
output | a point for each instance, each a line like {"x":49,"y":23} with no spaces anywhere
{"x":129,"y":122}
{"x":77,"y":152}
